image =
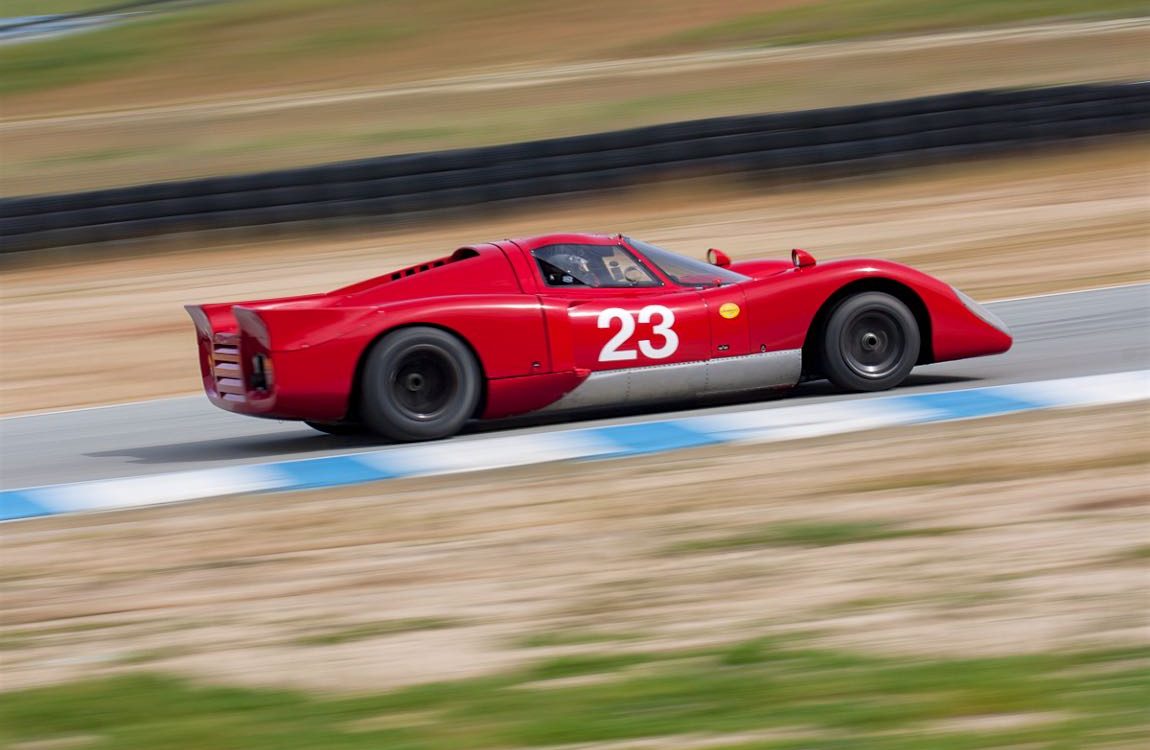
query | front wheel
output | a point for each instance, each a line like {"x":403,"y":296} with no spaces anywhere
{"x":419,"y":383}
{"x":871,"y":343}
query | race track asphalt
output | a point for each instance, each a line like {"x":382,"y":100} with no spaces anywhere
{"x":1064,"y":335}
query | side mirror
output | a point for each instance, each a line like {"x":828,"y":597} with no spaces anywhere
{"x":717,"y":257}
{"x":802,"y":259}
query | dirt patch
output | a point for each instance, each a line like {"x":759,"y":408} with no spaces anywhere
{"x":1131,"y":501}
{"x":225,"y":589}
{"x":996,"y":722}
{"x":77,"y":332}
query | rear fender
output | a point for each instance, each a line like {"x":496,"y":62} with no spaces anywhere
{"x":505,"y":333}
{"x":291,"y":328}
{"x":216,"y":317}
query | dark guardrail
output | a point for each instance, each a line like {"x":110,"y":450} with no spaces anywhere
{"x":855,"y":139}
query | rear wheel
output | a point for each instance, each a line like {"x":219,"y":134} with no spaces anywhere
{"x":871,"y":343}
{"x":419,"y":383}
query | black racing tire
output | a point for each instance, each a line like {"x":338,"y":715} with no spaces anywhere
{"x":871,"y":343}
{"x":419,"y":383}
{"x":338,"y":428}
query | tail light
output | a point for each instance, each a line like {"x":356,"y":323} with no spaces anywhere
{"x":261,"y":373}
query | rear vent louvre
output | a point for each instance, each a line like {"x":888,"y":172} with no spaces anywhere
{"x":417,"y":269}
{"x":226,"y":369}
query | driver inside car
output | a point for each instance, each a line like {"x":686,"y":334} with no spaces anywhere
{"x":568,"y":269}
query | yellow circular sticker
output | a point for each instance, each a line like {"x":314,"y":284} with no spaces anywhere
{"x":729,"y":310}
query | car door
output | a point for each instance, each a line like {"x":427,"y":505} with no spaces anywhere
{"x":615,"y":331}
{"x":738,"y":362}
{"x":635,"y":341}
{"x":634,"y":347}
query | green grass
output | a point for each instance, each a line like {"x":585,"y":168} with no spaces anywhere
{"x":253,"y":35}
{"x":838,"y":700}
{"x":1141,"y":553}
{"x":16,"y":641}
{"x":833,"y":20}
{"x":345,"y":40}
{"x":805,"y":534}
{"x":94,"y":55}
{"x":16,"y":638}
{"x":405,"y":135}
{"x":15,"y":8}
{"x":555,"y":638}
{"x":147,"y":656}
{"x":581,"y":665}
{"x":379,"y":629}
{"x":181,"y":36}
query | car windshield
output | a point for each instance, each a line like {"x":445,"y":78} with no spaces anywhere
{"x":684,"y":270}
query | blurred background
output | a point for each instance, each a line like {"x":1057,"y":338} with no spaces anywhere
{"x":981,"y":584}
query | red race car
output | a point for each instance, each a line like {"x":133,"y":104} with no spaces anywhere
{"x":576,"y":321}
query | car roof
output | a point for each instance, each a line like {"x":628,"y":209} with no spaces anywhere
{"x":565,"y":238}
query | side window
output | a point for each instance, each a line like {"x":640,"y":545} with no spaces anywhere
{"x":591,"y":266}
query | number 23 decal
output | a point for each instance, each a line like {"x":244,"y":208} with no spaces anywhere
{"x":613,"y":352}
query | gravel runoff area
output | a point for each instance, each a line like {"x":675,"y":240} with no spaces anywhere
{"x":1017,"y":535}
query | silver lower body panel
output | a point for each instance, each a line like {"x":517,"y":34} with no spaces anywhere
{"x":683,"y":381}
